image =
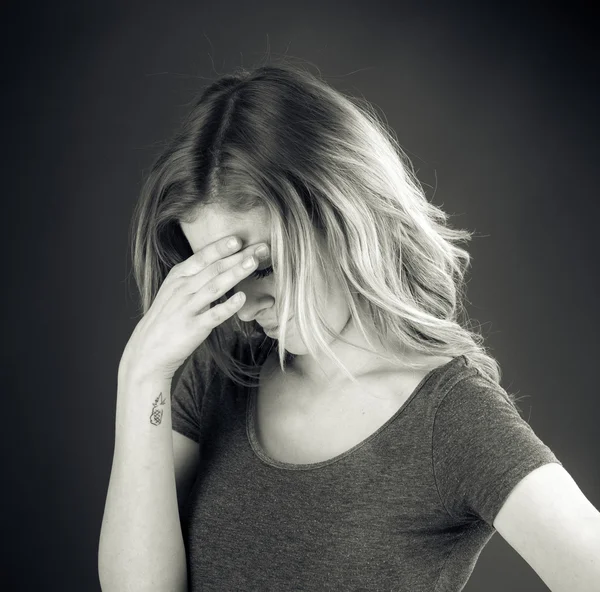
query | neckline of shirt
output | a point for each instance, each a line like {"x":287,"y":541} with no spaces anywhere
{"x":250,"y":417}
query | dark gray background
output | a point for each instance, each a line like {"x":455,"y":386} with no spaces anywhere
{"x":497,"y":107}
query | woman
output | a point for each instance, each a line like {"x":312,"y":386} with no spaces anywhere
{"x":374,"y":448}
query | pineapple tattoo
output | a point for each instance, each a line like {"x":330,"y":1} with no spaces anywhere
{"x":157,"y":413}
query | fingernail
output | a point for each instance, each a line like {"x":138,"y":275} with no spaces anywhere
{"x":248,"y":262}
{"x":262,"y":251}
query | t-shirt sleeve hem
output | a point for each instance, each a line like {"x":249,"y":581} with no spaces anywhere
{"x":184,"y":430}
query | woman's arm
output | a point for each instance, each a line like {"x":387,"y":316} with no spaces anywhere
{"x":141,"y":543}
{"x":548,"y":520}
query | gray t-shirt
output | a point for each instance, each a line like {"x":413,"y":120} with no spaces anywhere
{"x":408,"y":509}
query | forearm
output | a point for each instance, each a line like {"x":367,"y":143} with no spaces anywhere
{"x":141,"y":544}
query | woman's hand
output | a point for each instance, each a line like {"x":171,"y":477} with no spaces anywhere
{"x":180,"y":317}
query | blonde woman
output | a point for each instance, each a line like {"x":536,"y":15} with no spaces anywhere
{"x":335,"y":424}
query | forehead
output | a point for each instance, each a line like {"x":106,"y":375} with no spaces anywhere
{"x":214,"y":223}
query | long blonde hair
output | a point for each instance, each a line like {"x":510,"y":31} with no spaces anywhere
{"x":326,"y":167}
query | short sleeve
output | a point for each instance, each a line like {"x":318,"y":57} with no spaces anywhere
{"x":188,"y":393}
{"x":481,"y":449}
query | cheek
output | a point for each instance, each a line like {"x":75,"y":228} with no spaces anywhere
{"x":247,"y":282}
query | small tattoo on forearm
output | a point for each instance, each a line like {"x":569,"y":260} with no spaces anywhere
{"x":157,"y":413}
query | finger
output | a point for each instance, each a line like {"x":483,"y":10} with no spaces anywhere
{"x":219,"y":313}
{"x":220,"y":284}
{"x":206,"y":256}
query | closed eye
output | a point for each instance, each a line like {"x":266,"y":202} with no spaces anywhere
{"x":262,"y":273}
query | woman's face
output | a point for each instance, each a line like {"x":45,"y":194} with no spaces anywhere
{"x":253,"y":228}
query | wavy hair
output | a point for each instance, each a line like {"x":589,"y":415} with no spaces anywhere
{"x":330,"y":173}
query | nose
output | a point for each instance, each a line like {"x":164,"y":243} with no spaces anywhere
{"x":253,"y":305}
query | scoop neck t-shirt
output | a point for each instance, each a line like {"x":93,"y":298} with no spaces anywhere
{"x":409,"y":508}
